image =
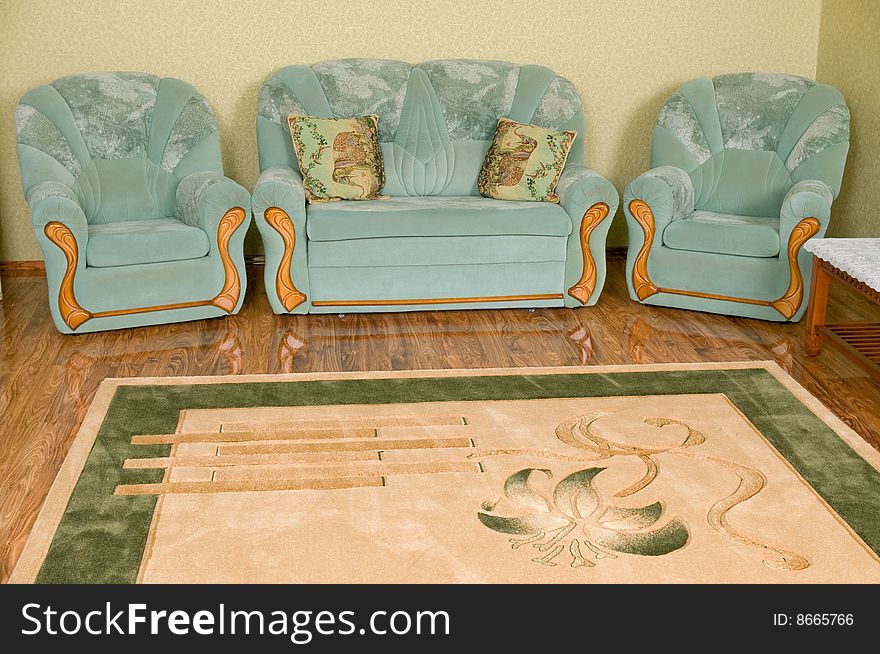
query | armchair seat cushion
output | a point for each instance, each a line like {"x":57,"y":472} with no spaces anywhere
{"x":720,"y":233}
{"x":144,"y":241}
{"x":434,"y":216}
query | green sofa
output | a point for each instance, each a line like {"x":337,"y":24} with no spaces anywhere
{"x":436,"y":244}
{"x":137,"y":224}
{"x":744,"y":170}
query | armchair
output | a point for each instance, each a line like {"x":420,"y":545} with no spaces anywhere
{"x":137,"y":224}
{"x":745,"y":168}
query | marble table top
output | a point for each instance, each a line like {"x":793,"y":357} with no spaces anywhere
{"x":857,"y":257}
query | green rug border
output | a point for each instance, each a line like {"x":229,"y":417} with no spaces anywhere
{"x":102,"y":536}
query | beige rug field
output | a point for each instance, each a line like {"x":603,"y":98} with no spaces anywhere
{"x":706,"y":473}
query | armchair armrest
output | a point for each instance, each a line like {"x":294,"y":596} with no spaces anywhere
{"x":809,"y":198}
{"x":279,"y":207}
{"x":62,"y":233}
{"x":650,"y":202}
{"x":53,"y":201}
{"x":668,"y":191}
{"x":805,"y":212}
{"x":590,"y":201}
{"x":204,"y":198}
{"x":220,"y":208}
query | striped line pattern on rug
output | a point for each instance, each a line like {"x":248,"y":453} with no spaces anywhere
{"x":310,"y":454}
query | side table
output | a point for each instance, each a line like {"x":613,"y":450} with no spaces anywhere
{"x":855,"y":262}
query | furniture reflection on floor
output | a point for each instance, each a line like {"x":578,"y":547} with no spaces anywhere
{"x":136,"y":222}
{"x":436,"y":243}
{"x":744,"y":170}
{"x":855,"y":262}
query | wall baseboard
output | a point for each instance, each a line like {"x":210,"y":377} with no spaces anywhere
{"x":37,"y":268}
{"x":34,"y":268}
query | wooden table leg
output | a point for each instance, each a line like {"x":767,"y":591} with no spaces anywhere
{"x":817,"y":307}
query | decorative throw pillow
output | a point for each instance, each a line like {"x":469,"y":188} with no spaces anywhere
{"x":524,"y":162}
{"x":340,"y":158}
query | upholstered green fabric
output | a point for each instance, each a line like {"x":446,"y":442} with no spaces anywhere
{"x":435,"y":216}
{"x":436,"y":121}
{"x":434,"y":117}
{"x":144,"y":241}
{"x":361,"y":87}
{"x":113,"y":156}
{"x":753,"y":154}
{"x":436,"y":251}
{"x":744,"y":236}
{"x":426,"y":282}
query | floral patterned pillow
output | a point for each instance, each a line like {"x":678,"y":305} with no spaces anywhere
{"x":340,"y":158}
{"x":524,"y":162}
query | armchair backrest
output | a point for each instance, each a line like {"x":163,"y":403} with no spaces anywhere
{"x":746,"y":138}
{"x":121,"y":141}
{"x":436,"y":119}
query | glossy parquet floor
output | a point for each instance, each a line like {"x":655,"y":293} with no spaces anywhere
{"x":47,"y":380}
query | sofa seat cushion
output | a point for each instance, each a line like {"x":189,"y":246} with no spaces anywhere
{"x":719,"y":233}
{"x":434,"y":216}
{"x":133,"y":242}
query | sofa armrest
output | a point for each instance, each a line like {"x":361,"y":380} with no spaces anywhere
{"x":280,"y":187}
{"x":279,"y":208}
{"x":805,"y":200}
{"x":204,"y":198}
{"x":579,"y":188}
{"x":590,"y":201}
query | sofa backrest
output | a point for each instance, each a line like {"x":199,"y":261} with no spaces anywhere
{"x":121,"y":141}
{"x":436,"y":119}
{"x":746,"y":138}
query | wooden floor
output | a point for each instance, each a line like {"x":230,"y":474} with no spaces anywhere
{"x":47,"y":380}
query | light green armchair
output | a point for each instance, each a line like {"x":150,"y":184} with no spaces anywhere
{"x":744,"y":171}
{"x":436,"y":243}
{"x":137,"y":224}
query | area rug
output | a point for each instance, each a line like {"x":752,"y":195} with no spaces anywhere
{"x":669,"y":473}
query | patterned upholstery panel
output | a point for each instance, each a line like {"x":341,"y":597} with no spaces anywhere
{"x":816,"y":186}
{"x":679,"y":118}
{"x":359,"y":87}
{"x":435,"y":118}
{"x":112,"y":111}
{"x":830,"y":127}
{"x":50,"y":189}
{"x":560,"y":103}
{"x":473,"y":94}
{"x":571,"y":178}
{"x":195,"y":123}
{"x":681,"y":186}
{"x":753,"y":108}
{"x":277,"y":101}
{"x":188,"y":192}
{"x":35,"y":130}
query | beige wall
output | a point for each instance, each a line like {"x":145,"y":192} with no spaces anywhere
{"x":624,"y":56}
{"x":849,"y":60}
